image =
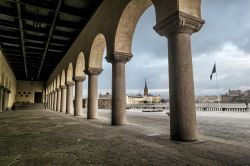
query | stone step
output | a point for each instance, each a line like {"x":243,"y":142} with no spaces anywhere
{"x":29,"y":106}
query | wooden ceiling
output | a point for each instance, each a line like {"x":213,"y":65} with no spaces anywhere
{"x":35,"y":34}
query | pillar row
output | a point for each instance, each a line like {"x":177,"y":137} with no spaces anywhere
{"x":58,"y":90}
{"x":118,"y":61}
{"x":78,"y":95}
{"x":93,"y":92}
{"x":69,"y":102}
{"x":178,"y":28}
{"x":63,"y":98}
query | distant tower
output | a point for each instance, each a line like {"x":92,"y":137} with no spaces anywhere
{"x":146,"y":88}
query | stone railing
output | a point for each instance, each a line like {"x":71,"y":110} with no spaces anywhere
{"x":233,"y":107}
{"x":222,"y":109}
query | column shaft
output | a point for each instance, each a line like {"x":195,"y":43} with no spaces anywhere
{"x":92,"y":96}
{"x":55,"y":101}
{"x":7,"y":96}
{"x":178,"y":28}
{"x":181,"y":85}
{"x":69,"y":105}
{"x":4,"y":98}
{"x":1,"y":99}
{"x":50,"y":101}
{"x":118,"y":94}
{"x":58,"y":100}
{"x":63,"y":99}
{"x":78,"y":98}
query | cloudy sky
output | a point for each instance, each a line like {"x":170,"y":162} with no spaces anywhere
{"x":224,"y":39}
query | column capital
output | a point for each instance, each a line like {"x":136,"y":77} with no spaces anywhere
{"x":70,"y":83}
{"x":118,"y":57}
{"x":63,"y":86}
{"x":93,"y":71}
{"x":179,"y":22}
{"x":58,"y":89}
{"x":79,"y":78}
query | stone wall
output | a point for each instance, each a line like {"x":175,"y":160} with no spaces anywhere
{"x":7,"y":79}
{"x":26,"y":90}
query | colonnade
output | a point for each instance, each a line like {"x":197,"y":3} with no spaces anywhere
{"x":4,"y":98}
{"x":178,"y":29}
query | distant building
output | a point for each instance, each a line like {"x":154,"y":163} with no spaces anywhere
{"x":236,"y":96}
{"x":207,"y":99}
{"x":143,"y":99}
{"x":105,"y":101}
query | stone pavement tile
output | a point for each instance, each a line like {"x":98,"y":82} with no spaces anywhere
{"x":51,"y":138}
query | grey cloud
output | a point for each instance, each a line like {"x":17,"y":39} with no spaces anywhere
{"x":226,"y":20}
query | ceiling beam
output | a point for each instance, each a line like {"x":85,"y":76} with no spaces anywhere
{"x":69,"y":10}
{"x":50,"y":35}
{"x":21,"y":34}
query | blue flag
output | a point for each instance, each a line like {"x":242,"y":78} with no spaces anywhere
{"x":213,"y":71}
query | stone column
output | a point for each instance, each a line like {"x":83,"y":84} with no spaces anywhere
{"x":50,"y":100}
{"x":55,"y":100}
{"x":1,"y":98}
{"x":118,"y":61}
{"x":58,"y":99}
{"x":78,"y":95}
{"x":93,"y":92}
{"x":69,"y":103}
{"x":7,"y":97}
{"x":178,"y":28}
{"x":4,"y":98}
{"x":63,"y":98}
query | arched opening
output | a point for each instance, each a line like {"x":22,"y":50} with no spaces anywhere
{"x":63,"y":78}
{"x":96,"y":52}
{"x":95,"y":67}
{"x":131,"y":33}
{"x":80,"y":65}
{"x":1,"y":77}
{"x":127,"y":24}
{"x":70,"y":73}
{"x":58,"y":82}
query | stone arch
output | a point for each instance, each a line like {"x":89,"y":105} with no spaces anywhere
{"x":80,"y":65}
{"x":50,"y":87}
{"x":96,"y":52}
{"x":54,"y":84}
{"x":5,"y":81}
{"x":70,"y":73}
{"x":127,"y":24}
{"x":63,"y":79}
{"x":9,"y":84}
{"x":1,"y":77}
{"x":58,"y":82}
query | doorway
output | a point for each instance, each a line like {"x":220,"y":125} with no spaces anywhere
{"x":38,"y":97}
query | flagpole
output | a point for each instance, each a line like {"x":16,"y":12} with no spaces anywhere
{"x":218,"y":98}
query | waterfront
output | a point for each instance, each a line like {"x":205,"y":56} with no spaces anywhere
{"x":226,"y":127}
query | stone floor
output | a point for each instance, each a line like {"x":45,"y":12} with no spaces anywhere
{"x":44,"y":137}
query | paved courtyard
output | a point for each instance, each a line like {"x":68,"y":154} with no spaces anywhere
{"x":44,"y":137}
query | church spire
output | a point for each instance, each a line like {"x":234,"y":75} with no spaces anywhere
{"x":146,"y":88}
